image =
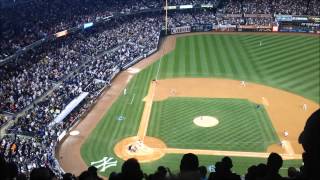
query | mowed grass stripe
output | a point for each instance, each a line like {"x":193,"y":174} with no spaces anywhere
{"x":212,"y":59}
{"x":237,"y":56}
{"x":218,"y":49}
{"x":266,"y":54}
{"x":179,"y":56}
{"x":249,"y":60}
{"x":168,"y":72}
{"x":273,"y":43}
{"x":230,"y":54}
{"x":314,"y":86}
{"x":293,"y":84}
{"x":291,"y":66}
{"x":224,"y":57}
{"x":164,"y":65}
{"x":193,"y":61}
{"x":281,"y":53}
{"x":197,"y":51}
{"x":299,"y":73}
{"x":279,"y":61}
{"x":183,"y":66}
{"x":203,"y":57}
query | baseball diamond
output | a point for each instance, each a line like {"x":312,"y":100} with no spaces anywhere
{"x":160,"y":89}
{"x":196,"y":75}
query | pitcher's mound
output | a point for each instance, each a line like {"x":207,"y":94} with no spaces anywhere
{"x":205,"y":121}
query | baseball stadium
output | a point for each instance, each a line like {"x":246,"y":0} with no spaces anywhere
{"x":160,"y":90}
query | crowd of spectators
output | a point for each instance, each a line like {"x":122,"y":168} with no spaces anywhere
{"x":298,"y":7}
{"x":36,"y":147}
{"x":208,"y":17}
{"x":41,"y":70}
{"x":70,"y":71}
{"x":286,"y":7}
{"x":31,"y":21}
{"x":179,"y":19}
{"x":34,"y":20}
{"x":38,"y":118}
{"x":290,"y":7}
{"x":256,"y":7}
{"x":117,"y":32}
{"x":20,"y":87}
{"x":232,"y":7}
{"x":36,"y":151}
{"x":28,"y":153}
{"x":314,"y":8}
{"x":23,"y":86}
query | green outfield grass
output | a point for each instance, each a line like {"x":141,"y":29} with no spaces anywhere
{"x":242,"y":127}
{"x":288,"y":62}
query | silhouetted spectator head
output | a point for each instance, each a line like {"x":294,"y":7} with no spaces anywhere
{"x":261,"y":170}
{"x":3,"y":168}
{"x":113,"y":176}
{"x":131,"y":170}
{"x":203,"y":172}
{"x":86,"y":175}
{"x":12,"y":170}
{"x":68,"y":176}
{"x":41,"y":173}
{"x":292,"y":172}
{"x":274,"y":162}
{"x":251,"y":173}
{"x":94,"y":171}
{"x":189,"y":162}
{"x":309,"y":138}
{"x":162,"y":171}
{"x":227,"y":162}
{"x":21,"y":176}
{"x":52,"y":174}
{"x":219,"y":167}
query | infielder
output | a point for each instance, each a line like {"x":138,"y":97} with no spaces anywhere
{"x":125,"y":91}
{"x":304,"y":107}
{"x":243,"y":83}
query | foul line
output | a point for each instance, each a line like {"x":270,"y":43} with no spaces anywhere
{"x":288,"y":148}
{"x":132,"y":98}
{"x":228,"y":153}
{"x":265,"y":101}
{"x":146,"y":111}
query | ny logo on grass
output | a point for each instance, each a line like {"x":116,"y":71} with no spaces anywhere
{"x":104,"y":163}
